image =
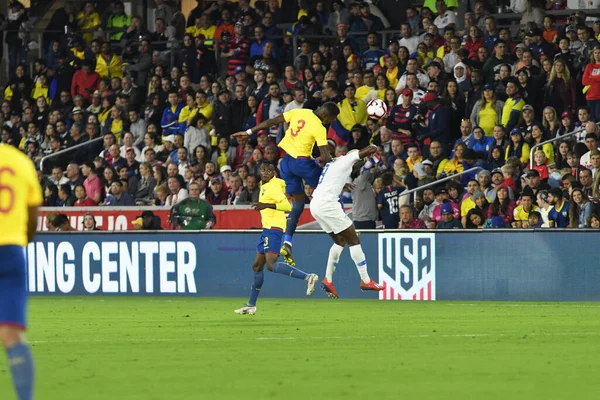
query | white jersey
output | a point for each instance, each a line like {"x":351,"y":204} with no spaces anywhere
{"x":335,"y":175}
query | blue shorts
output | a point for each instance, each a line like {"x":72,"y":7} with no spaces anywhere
{"x":293,"y":171}
{"x":270,"y":241}
{"x":13,"y":286}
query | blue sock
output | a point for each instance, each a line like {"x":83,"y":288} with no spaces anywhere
{"x":21,"y":366}
{"x":285,"y":269}
{"x":292,"y":220}
{"x":259,"y":278}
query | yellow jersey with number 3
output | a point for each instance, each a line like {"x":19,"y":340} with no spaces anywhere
{"x":273,"y":192}
{"x":19,"y":190}
{"x":305,"y":129}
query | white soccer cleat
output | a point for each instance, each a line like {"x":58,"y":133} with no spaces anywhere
{"x":310,"y":283}
{"x":246,"y":310}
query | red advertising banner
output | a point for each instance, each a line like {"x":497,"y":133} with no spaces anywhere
{"x":120,"y":219}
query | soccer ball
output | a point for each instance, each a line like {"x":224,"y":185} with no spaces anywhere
{"x":376,"y":109}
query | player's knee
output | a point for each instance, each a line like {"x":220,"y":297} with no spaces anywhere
{"x":270,"y":267}
{"x":257,"y":267}
{"x":353,"y":241}
{"x":340,"y":241}
{"x":10,"y":336}
{"x":297,"y":208}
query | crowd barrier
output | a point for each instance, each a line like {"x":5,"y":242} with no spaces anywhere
{"x":416,"y":265}
{"x":121,"y":218}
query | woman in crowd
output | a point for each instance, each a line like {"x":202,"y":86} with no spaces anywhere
{"x":160,"y":175}
{"x":592,"y":222}
{"x":487,"y":112}
{"x":456,"y":163}
{"x":224,"y":154}
{"x":475,"y":219}
{"x":537,"y":136}
{"x":591,"y":80}
{"x":551,"y":122}
{"x":51,"y":196}
{"x":200,"y":154}
{"x":517,"y":147}
{"x":580,"y":208}
{"x":560,"y":159}
{"x":560,"y":89}
{"x":502,"y":206}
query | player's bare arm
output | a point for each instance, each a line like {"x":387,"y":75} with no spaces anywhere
{"x":32,"y":212}
{"x":367,"y":151}
{"x":325,"y":154}
{"x":262,"y":206}
{"x":263,"y":125}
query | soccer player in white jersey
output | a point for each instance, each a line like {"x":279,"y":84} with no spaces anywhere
{"x":326,"y":209}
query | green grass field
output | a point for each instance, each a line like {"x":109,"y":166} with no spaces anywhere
{"x":161,"y":348}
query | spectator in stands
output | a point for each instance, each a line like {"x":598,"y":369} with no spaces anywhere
{"x":436,"y":126}
{"x":82,"y":199}
{"x":176,"y":192}
{"x":487,"y":112}
{"x":408,"y":220}
{"x":117,"y":22}
{"x":558,"y":216}
{"x":85,"y":81}
{"x":580,"y":208}
{"x":250,"y":192}
{"x":61,"y":223}
{"x":74,"y":176}
{"x":170,"y":118}
{"x":89,"y":222}
{"x":524,"y":210}
{"x":65,"y":196}
{"x":593,"y":222}
{"x":591,"y":80}
{"x":447,"y":218}
{"x":502,"y":206}
{"x":216,"y":193}
{"x":92,"y":183}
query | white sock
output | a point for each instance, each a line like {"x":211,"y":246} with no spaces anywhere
{"x":334,"y":256}
{"x":361,"y":263}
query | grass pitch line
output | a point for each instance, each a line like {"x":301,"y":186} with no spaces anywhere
{"x":519,"y":305}
{"x":283,"y":338}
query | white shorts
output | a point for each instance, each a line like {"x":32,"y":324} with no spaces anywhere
{"x":330,"y":215}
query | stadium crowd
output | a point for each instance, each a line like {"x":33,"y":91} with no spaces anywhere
{"x":158,"y":107}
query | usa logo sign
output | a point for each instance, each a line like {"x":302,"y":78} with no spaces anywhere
{"x":407,"y":266}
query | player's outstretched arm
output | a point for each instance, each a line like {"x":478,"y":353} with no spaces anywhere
{"x":263,"y":125}
{"x":284,"y":206}
{"x":367,"y":151}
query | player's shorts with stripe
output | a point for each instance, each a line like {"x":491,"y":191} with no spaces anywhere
{"x":270,"y":241}
{"x":13,"y":286}
{"x":294,"y":170}
{"x":330,"y":215}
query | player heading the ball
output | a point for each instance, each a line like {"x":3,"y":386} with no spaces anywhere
{"x":326,"y":209}
{"x":306,"y":127}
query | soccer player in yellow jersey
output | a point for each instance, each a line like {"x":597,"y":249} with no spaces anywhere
{"x":306,"y":127}
{"x":273,"y":204}
{"x":20,"y":198}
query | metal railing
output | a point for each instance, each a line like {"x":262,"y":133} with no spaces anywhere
{"x":556,"y":13}
{"x":67,"y":150}
{"x":556,"y":139}
{"x":435,"y":183}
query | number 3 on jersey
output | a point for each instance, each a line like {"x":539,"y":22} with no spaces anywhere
{"x":300,"y":126}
